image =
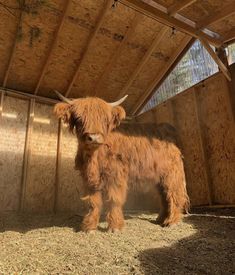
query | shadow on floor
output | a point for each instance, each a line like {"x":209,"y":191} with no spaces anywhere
{"x":210,"y":251}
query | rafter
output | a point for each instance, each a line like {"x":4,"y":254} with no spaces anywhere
{"x":220,"y":64}
{"x":157,"y":40}
{"x":144,"y":60}
{"x":90,"y":41}
{"x":117,"y":52}
{"x":229,"y":36}
{"x":170,"y":21}
{"x":217,"y":16}
{"x":13,"y":50}
{"x":151,"y":88}
{"x":53,"y":45}
{"x":180,"y":5}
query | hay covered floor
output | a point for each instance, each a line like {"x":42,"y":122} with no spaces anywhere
{"x":204,"y":243}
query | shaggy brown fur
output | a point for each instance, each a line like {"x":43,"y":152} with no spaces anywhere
{"x":111,"y":160}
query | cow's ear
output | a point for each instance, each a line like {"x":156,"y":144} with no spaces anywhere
{"x":62,"y":110}
{"x":118,"y":115}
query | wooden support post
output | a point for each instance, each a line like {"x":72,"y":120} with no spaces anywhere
{"x":222,"y":56}
{"x":58,"y":165}
{"x":220,"y":64}
{"x":1,"y":103}
{"x":53,"y":45}
{"x":202,"y":142}
{"x":27,"y":151}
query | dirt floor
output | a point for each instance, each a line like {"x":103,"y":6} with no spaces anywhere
{"x":204,"y":243}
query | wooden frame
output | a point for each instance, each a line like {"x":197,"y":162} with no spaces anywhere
{"x":166,"y":19}
{"x":151,"y":88}
{"x":58,"y":164}
{"x":90,"y":41}
{"x":22,"y":95}
{"x":1,"y":103}
{"x":26,"y":158}
{"x":53,"y":45}
{"x":116,"y":54}
{"x":220,"y":64}
{"x":12,"y":55}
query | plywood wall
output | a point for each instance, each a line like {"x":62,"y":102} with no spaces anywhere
{"x":13,"y":122}
{"x":39,"y":194}
{"x":204,"y":120}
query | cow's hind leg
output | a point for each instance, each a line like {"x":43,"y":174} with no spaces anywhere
{"x":174,"y":199}
{"x":91,"y":220}
{"x":116,"y":197}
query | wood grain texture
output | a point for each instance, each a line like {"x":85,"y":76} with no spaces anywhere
{"x":12,"y":142}
{"x":40,"y":193}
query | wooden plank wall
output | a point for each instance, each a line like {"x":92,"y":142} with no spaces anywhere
{"x":203,"y":117}
{"x":29,"y":159}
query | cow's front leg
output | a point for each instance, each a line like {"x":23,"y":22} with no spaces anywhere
{"x":116,"y":197}
{"x":91,"y":220}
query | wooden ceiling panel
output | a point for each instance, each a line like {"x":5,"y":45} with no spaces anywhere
{"x":224,"y":25}
{"x":71,"y":43}
{"x":201,"y":9}
{"x":8,"y":29}
{"x":136,"y":47}
{"x":38,"y":27}
{"x":108,"y":39}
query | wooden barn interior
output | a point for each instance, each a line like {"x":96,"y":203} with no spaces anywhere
{"x":107,"y":49}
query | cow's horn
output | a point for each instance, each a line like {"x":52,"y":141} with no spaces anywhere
{"x":63,"y":98}
{"x":116,"y":103}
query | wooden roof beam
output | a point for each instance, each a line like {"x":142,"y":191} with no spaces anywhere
{"x":138,"y":17}
{"x":90,"y":41}
{"x":13,"y":50}
{"x":157,"y":40}
{"x":229,"y":36}
{"x":53,"y":45}
{"x":166,"y":19}
{"x":152,"y":87}
{"x":220,"y":64}
{"x":217,"y":16}
{"x":178,"y":6}
{"x":147,"y":55}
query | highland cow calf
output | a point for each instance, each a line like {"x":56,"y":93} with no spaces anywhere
{"x":110,"y":160}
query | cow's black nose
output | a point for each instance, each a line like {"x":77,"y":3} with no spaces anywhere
{"x":89,"y":138}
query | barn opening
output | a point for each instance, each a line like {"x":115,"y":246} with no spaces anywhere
{"x":175,"y":60}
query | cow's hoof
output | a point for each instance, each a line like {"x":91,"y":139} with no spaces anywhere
{"x":114,"y":230}
{"x":88,"y":231}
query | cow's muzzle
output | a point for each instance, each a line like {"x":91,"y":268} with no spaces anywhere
{"x":93,"y":139}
